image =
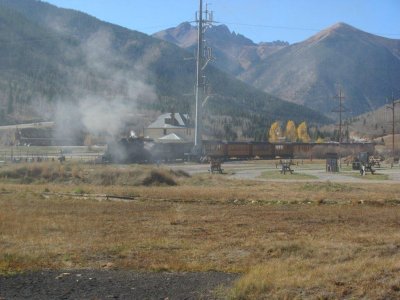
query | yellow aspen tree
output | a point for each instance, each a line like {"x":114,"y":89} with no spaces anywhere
{"x":275,"y":132}
{"x":302,"y":133}
{"x":291,"y":132}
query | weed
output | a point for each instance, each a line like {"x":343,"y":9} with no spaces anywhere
{"x":179,"y":173}
{"x":327,"y":186}
{"x":375,"y":176}
{"x":158,"y":177}
{"x":277,"y":175}
{"x":79,"y":191}
{"x":291,"y":249}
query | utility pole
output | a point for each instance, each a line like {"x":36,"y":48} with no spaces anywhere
{"x":393,"y":122}
{"x":347,"y":131}
{"x":204,"y":56}
{"x":340,"y":110}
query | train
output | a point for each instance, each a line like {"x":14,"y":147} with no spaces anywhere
{"x":141,"y":150}
{"x":145,"y":150}
{"x":286,"y":150}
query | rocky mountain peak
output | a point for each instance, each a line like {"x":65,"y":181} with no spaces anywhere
{"x":336,"y":30}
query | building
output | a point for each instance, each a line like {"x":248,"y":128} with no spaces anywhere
{"x":175,"y":126}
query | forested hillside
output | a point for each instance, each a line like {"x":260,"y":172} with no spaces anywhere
{"x":67,"y":66}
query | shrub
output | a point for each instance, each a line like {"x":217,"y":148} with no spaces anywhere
{"x":157,"y":177}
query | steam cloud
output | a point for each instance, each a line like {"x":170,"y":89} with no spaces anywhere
{"x":108,"y":91}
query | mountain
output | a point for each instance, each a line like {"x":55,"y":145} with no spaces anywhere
{"x":64,"y":65}
{"x":365,"y":66}
{"x":376,"y":123}
{"x":234,"y":53}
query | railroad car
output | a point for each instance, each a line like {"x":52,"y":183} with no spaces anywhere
{"x":262,"y":150}
{"x":215,"y":149}
{"x":302,"y":150}
{"x":283,"y":150}
{"x":143,"y":150}
{"x":170,"y":151}
{"x":239,"y":150}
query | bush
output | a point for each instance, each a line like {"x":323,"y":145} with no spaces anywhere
{"x":157,"y":177}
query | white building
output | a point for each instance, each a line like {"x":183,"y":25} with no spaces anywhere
{"x":174,"y":126}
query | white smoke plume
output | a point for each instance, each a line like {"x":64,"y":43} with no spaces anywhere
{"x":108,"y":90}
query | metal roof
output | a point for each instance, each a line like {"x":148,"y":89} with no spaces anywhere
{"x":172,"y":137}
{"x":165,"y":121}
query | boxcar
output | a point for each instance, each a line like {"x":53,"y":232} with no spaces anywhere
{"x":302,"y":150}
{"x":214,"y":149}
{"x":284,"y":150}
{"x":262,"y":150}
{"x":239,"y":150}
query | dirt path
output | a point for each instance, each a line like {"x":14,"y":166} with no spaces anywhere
{"x":251,"y":171}
{"x":322,"y":176}
{"x":112,"y":284}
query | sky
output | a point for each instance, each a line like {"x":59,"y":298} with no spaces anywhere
{"x":259,"y":20}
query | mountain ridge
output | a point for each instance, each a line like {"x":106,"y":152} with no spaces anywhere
{"x":365,"y":66}
{"x":234,"y":52}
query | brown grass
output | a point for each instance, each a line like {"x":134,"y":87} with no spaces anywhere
{"x":158,"y":177}
{"x":306,"y":240}
{"x":75,"y":173}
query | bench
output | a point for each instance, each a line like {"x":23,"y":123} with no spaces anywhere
{"x":286,"y":168}
{"x":215,"y":166}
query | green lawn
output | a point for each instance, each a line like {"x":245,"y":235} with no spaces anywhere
{"x":369,"y":176}
{"x":276,"y":174}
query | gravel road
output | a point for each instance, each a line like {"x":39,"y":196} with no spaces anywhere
{"x":113,"y":284}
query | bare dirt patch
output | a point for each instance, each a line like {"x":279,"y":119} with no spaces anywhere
{"x":111,"y":284}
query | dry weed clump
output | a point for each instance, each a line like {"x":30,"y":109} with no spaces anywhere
{"x":159,"y":177}
{"x":328,"y":186}
{"x":28,"y":173}
{"x":74,"y":173}
{"x":368,"y":278}
{"x":179,"y":173}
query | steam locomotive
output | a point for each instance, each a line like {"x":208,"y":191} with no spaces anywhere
{"x":145,"y":150}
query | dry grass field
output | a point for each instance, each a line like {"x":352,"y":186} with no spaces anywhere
{"x":289,"y":240}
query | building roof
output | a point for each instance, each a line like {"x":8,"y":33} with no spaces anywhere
{"x":172,"y":137}
{"x":171,"y":120}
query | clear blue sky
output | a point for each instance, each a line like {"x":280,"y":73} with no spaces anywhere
{"x":259,"y":20}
